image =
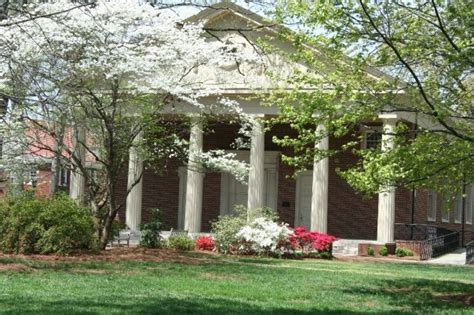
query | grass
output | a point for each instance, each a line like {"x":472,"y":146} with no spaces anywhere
{"x":230,"y":285}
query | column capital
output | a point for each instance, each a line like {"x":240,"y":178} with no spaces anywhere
{"x":389,"y":116}
{"x":260,"y":116}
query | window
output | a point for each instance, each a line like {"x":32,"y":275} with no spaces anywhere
{"x":63,"y":177}
{"x":3,"y":105}
{"x":445,"y":217}
{"x":446,"y":209}
{"x":469,"y":203}
{"x":372,"y":138}
{"x":432,"y":205}
{"x":458,"y":208}
{"x":33,"y":178}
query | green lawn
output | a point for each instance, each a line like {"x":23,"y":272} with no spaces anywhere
{"x":204,"y":284}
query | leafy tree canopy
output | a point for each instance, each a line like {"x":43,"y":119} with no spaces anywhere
{"x":413,"y":59}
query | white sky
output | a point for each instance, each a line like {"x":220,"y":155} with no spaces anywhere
{"x":184,"y":12}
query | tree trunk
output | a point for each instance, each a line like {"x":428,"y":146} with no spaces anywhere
{"x":106,"y":230}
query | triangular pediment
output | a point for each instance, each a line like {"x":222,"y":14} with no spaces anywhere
{"x":234,"y":24}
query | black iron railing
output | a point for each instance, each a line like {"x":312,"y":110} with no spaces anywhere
{"x":470,"y":252}
{"x":432,"y":241}
{"x":414,"y":232}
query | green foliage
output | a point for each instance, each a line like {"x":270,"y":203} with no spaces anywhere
{"x":180,"y":242}
{"x":150,"y":230}
{"x":402,"y":252}
{"x":383,"y":251}
{"x":370,"y":251}
{"x":425,"y":47}
{"x":226,"y":227}
{"x":56,"y":225}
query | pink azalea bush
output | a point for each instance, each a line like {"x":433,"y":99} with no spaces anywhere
{"x":306,"y":241}
{"x":205,"y":243}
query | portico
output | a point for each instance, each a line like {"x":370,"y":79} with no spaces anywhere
{"x":261,"y":191}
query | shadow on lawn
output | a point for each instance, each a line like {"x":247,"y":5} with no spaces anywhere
{"x":164,"y":306}
{"x":419,"y":294}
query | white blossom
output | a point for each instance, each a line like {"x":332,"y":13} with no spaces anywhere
{"x":132,"y":42}
{"x":264,"y":235}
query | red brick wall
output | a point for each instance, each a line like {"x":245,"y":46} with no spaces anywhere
{"x":350,"y":214}
{"x":162,"y":192}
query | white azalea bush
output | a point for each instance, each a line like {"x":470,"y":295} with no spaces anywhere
{"x":263,"y":236}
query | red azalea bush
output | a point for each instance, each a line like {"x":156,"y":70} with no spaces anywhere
{"x":205,"y":243}
{"x":306,"y":241}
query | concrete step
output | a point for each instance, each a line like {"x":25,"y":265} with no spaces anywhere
{"x":345,"y":248}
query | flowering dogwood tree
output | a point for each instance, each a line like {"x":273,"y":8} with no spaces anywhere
{"x":101,"y":71}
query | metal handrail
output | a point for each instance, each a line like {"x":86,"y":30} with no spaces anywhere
{"x":470,"y":252}
{"x":438,"y":246}
{"x":432,"y":240}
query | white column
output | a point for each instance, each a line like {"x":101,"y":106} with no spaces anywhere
{"x":319,"y":197}
{"x":256,"y":189}
{"x":77,"y":185}
{"x":133,"y":212}
{"x":386,"y":206}
{"x":194,"y":182}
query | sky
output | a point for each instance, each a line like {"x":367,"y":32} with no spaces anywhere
{"x":184,"y":12}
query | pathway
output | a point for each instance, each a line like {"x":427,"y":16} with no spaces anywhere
{"x":458,"y":257}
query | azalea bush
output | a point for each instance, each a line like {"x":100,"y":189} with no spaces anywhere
{"x":205,"y":243}
{"x":226,"y":227}
{"x":307,"y":241}
{"x":263,"y":236}
{"x":180,"y":242}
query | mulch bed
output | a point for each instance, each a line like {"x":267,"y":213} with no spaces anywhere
{"x":127,"y":254}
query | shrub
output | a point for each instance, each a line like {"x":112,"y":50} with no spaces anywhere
{"x":402,"y":252}
{"x":370,"y":251}
{"x":180,"y":242}
{"x":151,"y":230}
{"x":226,"y":227}
{"x":383,"y":251}
{"x":55,"y":225}
{"x":263,"y":236}
{"x":205,"y":243}
{"x":306,"y":241}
